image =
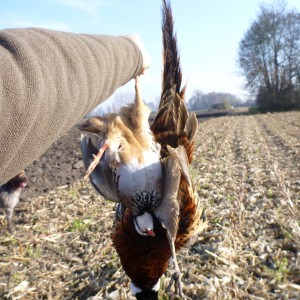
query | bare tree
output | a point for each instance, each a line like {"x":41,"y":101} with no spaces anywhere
{"x":269,"y":55}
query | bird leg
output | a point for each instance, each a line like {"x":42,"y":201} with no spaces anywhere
{"x":96,"y":160}
{"x":176,"y":277}
{"x":138,"y":96}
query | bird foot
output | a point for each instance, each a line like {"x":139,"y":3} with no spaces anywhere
{"x":176,"y":280}
{"x":92,"y":166}
{"x":96,"y":161}
{"x":176,"y":277}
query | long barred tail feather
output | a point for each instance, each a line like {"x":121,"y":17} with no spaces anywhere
{"x":173,"y":125}
{"x":172,"y":75}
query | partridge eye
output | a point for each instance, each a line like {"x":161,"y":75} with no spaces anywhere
{"x":120,"y":146}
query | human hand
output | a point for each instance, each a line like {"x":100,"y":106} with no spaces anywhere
{"x":146,"y":57}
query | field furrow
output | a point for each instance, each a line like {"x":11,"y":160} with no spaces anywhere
{"x":287,"y":162}
{"x":288,"y":119}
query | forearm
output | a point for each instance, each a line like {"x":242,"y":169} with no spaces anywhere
{"x":49,"y":81}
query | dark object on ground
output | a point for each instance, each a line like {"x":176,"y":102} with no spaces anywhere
{"x":10,"y":195}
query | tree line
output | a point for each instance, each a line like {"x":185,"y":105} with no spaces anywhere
{"x":202,"y":101}
{"x":269,"y":56}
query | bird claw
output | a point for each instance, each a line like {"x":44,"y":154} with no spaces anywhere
{"x":96,"y":160}
{"x":176,"y":277}
{"x":92,"y":166}
{"x":176,"y":280}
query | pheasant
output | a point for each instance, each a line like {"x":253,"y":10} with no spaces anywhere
{"x":145,"y":170}
{"x":10,"y":195}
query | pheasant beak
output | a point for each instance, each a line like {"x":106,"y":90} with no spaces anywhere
{"x":150,"y":232}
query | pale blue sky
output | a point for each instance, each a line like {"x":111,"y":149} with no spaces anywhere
{"x":208,"y":32}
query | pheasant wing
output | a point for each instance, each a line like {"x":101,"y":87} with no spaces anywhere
{"x":191,"y":219}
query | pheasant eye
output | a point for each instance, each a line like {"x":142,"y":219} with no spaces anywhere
{"x":120,"y":146}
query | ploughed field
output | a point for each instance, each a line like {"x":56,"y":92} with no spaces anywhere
{"x":247,"y":172}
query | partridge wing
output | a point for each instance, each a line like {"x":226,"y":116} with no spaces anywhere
{"x":168,"y":212}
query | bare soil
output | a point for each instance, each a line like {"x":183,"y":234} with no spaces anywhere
{"x":60,"y":165}
{"x":247,"y":173}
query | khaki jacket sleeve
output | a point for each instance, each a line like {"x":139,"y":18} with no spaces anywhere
{"x":48,"y":81}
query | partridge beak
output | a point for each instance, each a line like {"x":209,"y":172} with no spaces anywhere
{"x":150,"y":232}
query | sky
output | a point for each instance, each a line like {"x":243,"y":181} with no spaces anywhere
{"x":208,"y":33}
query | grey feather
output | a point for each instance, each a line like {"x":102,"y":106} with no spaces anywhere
{"x":168,"y":212}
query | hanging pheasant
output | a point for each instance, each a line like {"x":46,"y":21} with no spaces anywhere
{"x":145,"y":170}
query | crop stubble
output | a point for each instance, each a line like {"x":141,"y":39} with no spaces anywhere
{"x":247,"y":172}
